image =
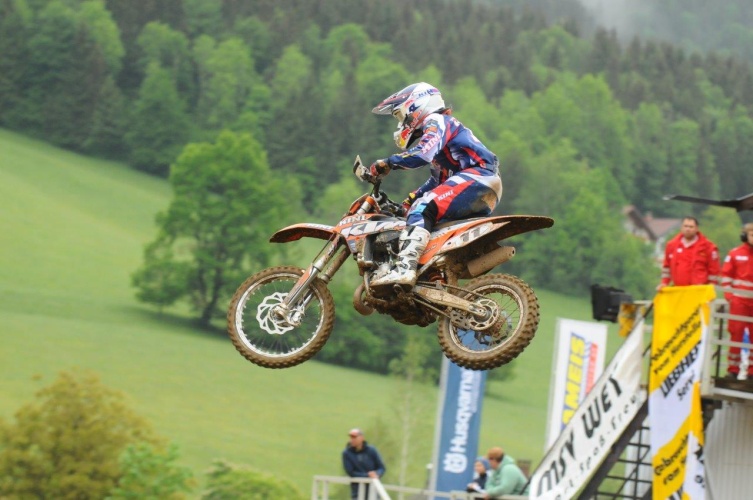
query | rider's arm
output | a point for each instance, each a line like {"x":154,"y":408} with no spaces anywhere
{"x":430,"y":183}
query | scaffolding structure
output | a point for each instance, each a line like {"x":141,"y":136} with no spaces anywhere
{"x":627,"y":471}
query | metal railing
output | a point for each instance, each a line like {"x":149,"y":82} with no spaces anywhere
{"x":374,"y":489}
{"x":713,"y":381}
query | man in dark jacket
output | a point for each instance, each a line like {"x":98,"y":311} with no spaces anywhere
{"x":360,"y":459}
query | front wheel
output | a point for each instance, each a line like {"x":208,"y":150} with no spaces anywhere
{"x":483,"y":343}
{"x":271,"y":336}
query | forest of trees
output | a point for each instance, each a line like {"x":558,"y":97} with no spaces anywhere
{"x":725,"y":27}
{"x":584,"y":122}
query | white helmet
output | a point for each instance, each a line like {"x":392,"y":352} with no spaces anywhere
{"x":410,"y":106}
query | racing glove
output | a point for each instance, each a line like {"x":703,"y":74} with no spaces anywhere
{"x":379,"y":169}
{"x":408,"y":202}
{"x":376,"y":171}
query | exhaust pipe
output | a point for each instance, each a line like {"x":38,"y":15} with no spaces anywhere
{"x":480,"y":265}
{"x":358,"y":303}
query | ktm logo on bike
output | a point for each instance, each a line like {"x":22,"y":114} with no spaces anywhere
{"x":351,"y":220}
{"x":371,"y":227}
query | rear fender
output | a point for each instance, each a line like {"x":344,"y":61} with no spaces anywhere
{"x":304,"y":230}
{"x":458,"y":235}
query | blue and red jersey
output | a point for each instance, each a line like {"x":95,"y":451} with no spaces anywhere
{"x":449,"y":146}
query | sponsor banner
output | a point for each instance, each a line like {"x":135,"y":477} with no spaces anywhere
{"x":580,"y":348}
{"x":594,"y":427}
{"x":681,"y":316}
{"x":458,"y":425}
{"x":695,"y":474}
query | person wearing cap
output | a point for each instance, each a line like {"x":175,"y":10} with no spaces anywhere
{"x":480,"y":468}
{"x":505,"y":477}
{"x":360,"y":459}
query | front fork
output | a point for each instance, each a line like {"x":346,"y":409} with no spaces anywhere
{"x":327,"y":263}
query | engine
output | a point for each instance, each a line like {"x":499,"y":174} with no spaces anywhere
{"x":377,"y":259}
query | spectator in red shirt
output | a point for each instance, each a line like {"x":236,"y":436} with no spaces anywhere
{"x":737,"y":273}
{"x":690,"y":258}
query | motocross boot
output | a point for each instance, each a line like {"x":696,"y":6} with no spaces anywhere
{"x":413,"y":241}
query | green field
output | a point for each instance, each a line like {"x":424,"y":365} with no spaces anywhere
{"x":72,"y":231}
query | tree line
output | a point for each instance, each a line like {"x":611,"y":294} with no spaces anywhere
{"x":138,"y":80}
{"x":255,"y":109}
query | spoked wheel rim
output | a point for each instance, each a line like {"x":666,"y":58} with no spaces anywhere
{"x":496,"y":337}
{"x":262,"y":330}
{"x":504,"y":319}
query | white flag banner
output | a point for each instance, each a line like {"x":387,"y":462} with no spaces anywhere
{"x":580,"y":351}
{"x":594,"y":427}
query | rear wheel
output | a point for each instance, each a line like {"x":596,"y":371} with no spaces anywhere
{"x":501,"y":334}
{"x":273,"y":337}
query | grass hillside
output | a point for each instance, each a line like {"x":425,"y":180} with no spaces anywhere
{"x":72,"y":231}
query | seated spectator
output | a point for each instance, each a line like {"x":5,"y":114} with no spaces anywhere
{"x":480,"y":468}
{"x":505,"y":477}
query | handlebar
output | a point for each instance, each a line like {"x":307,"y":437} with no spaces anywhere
{"x":384,"y":202}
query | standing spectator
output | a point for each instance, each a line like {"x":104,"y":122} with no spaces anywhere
{"x":480,"y":473}
{"x":690,"y":258}
{"x":737,"y":273}
{"x":360,"y":459}
{"x":505,"y":477}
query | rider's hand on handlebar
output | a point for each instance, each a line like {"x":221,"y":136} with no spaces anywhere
{"x":379,"y":169}
{"x":372,"y":173}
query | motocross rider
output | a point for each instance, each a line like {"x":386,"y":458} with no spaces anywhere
{"x":464,"y":179}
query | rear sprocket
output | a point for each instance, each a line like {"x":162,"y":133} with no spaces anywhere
{"x":486,"y":342}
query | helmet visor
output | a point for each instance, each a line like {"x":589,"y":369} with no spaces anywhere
{"x":388,"y":105}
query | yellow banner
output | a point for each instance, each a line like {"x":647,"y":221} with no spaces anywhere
{"x":681,"y":317}
{"x":669,"y":464}
{"x":677,"y":327}
{"x":695,"y":477}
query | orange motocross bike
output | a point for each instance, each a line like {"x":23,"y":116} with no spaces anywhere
{"x":282,"y":316}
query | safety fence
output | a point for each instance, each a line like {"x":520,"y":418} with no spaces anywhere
{"x":714,"y":383}
{"x":373,"y":489}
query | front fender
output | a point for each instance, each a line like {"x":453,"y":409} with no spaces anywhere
{"x":305,"y":230}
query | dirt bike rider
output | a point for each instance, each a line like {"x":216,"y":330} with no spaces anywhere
{"x":464,"y":179}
